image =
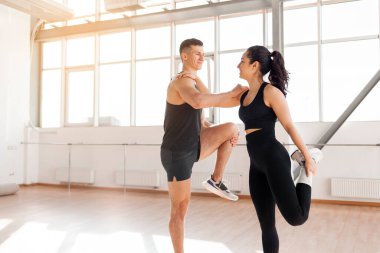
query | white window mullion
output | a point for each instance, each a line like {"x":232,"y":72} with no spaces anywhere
{"x":215,"y":111}
{"x":63,"y":86}
{"x":320,"y":84}
{"x":96,"y":82}
{"x":133,"y":77}
{"x":172,"y":51}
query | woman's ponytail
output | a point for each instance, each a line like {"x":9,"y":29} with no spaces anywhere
{"x":270,"y":62}
{"x":278,"y":75}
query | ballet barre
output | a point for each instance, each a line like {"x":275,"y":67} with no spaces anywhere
{"x":70,"y":144}
{"x":125,"y":145}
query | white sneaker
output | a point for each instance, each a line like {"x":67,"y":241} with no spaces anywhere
{"x":299,"y":159}
{"x":219,"y":189}
{"x":315,"y":153}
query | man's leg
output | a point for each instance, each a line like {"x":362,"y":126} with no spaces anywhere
{"x":218,"y":138}
{"x":179,"y":192}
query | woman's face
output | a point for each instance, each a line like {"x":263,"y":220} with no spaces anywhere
{"x":246,"y":69}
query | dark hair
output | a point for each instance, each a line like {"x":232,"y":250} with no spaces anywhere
{"x":188,"y":43}
{"x":278,"y":75}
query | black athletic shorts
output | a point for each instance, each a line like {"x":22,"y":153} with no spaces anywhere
{"x":179,"y":164}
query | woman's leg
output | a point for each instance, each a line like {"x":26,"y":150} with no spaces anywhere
{"x":265,"y":208}
{"x":292,"y":201}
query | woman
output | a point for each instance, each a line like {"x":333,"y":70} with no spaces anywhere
{"x":270,"y":178}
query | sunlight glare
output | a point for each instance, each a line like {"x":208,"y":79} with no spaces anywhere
{"x":4,"y":223}
{"x":122,"y":241}
{"x":163,"y":245}
{"x":33,"y":237}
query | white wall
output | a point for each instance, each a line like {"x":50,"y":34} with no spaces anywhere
{"x":14,"y":91}
{"x":356,"y":162}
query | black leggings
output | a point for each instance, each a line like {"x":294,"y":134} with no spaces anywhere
{"x":271,"y":183}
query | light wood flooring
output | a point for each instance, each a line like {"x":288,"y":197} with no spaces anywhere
{"x":45,"y":219}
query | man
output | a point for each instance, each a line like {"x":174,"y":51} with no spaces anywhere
{"x":189,"y":137}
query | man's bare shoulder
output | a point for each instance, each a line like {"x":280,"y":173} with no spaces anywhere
{"x":185,"y":81}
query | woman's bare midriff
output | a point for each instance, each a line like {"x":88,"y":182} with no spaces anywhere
{"x":248,"y":131}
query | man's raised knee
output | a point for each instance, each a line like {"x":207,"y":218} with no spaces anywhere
{"x":232,"y":128}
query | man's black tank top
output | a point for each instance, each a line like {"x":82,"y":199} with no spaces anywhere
{"x":257,"y":114}
{"x":182,"y":127}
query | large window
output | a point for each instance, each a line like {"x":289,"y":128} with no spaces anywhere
{"x":356,"y":18}
{"x":51,"y":80}
{"x":203,"y":31}
{"x":296,"y":33}
{"x":229,"y":78}
{"x":115,"y":79}
{"x":120,"y":78}
{"x":80,"y":96}
{"x":152,"y":43}
{"x":346,"y":70}
{"x":303,"y":92}
{"x":236,"y":35}
{"x":152,"y":74}
{"x":51,"y":98}
{"x":114,"y":94}
{"x":80,"y":51}
{"x":152,"y":79}
{"x":241,"y":32}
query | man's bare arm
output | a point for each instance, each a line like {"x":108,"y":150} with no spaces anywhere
{"x":196,"y":99}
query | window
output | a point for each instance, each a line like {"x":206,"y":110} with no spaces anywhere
{"x":80,"y":51}
{"x":51,"y":55}
{"x":82,"y":8}
{"x":51,"y":98}
{"x":303,"y":91}
{"x":203,"y":31}
{"x":241,"y":32}
{"x":367,"y":111}
{"x":192,"y":3}
{"x":152,"y":79}
{"x":115,"y":47}
{"x":294,"y":32}
{"x":330,"y":60}
{"x":80,"y":96}
{"x":152,"y":43}
{"x":356,"y":18}
{"x":114,"y":94}
{"x":347,"y":67}
{"x":51,"y":84}
{"x":237,"y":33}
{"x":114,"y":79}
{"x":229,"y":78}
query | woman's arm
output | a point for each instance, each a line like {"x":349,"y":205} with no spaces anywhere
{"x":276,"y":100}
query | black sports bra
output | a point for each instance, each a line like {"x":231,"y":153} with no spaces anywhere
{"x":257,"y":114}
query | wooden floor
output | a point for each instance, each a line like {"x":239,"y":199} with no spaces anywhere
{"x":43,"y":219}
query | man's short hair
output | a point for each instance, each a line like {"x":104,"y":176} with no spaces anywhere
{"x":188,"y":43}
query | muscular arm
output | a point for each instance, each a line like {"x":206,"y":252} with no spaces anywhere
{"x":187,"y":91}
{"x":202,"y":88}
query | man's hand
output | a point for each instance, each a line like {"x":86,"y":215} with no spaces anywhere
{"x":189,"y":75}
{"x":238,"y":90}
{"x":234,"y":140}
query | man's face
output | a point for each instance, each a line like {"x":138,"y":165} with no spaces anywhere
{"x":193,"y":57}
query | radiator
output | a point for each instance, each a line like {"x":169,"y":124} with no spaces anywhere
{"x":234,"y":181}
{"x":138,"y":178}
{"x":83,"y":176}
{"x":355,"y":188}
